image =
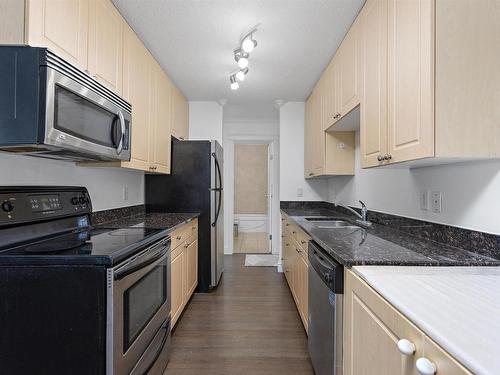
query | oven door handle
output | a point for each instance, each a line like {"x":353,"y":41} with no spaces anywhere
{"x":166,"y":327}
{"x":122,"y":272}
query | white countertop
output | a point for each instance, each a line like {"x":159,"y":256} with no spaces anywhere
{"x":458,"y":307}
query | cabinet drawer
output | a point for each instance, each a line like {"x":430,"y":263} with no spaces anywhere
{"x":302,"y":239}
{"x":180,"y":235}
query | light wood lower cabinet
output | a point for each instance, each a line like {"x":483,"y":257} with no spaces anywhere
{"x":296,"y":265}
{"x":184,"y":267}
{"x":372,"y":329}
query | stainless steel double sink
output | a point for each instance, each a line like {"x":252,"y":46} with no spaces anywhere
{"x":331,"y":223}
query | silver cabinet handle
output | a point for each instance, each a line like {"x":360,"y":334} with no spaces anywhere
{"x":311,"y":174}
{"x":387,"y":157}
{"x":380,"y":158}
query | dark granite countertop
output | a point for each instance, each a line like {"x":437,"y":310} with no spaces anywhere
{"x":153,"y":220}
{"x":382,"y":245}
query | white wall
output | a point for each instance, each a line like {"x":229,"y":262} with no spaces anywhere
{"x":291,"y":131}
{"x":105,"y":185}
{"x":470,"y":192}
{"x":205,"y":121}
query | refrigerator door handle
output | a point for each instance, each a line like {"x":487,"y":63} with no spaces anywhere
{"x":217,"y":189}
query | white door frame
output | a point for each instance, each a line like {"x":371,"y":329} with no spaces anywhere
{"x":274,"y":213}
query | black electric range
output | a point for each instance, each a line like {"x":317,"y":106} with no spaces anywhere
{"x":42,"y":225}
{"x":77,"y":299}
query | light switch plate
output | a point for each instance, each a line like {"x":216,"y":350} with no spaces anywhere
{"x":424,"y":200}
{"x":436,"y":202}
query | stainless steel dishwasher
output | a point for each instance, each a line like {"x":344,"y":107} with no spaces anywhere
{"x":326,"y":288}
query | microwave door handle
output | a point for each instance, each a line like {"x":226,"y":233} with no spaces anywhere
{"x":122,"y":134}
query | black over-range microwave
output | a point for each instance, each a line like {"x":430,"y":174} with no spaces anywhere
{"x":51,"y":109}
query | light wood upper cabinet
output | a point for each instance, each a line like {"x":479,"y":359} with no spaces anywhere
{"x":348,"y":72}
{"x":308,"y":138}
{"x":180,"y":115}
{"x":105,"y":44}
{"x":372,"y":329}
{"x":137,"y":89}
{"x":330,"y":94}
{"x":317,"y":136}
{"x":161,"y":127}
{"x":373,"y":109}
{"x":426,"y":85}
{"x":59,"y":25}
{"x":92,"y":35}
{"x":410,"y":84}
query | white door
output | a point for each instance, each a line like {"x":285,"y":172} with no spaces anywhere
{"x":270,"y":157}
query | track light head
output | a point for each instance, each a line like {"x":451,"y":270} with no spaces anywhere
{"x":234,"y":85}
{"x":241,"y":58}
{"x":248,"y":44}
{"x":241,"y":74}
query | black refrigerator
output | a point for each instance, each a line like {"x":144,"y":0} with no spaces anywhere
{"x":195,"y":185}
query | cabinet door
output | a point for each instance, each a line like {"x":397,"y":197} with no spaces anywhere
{"x":180,"y":115}
{"x":161,"y":126}
{"x":348,"y":72}
{"x":317,"y":133}
{"x":410,"y":87}
{"x":137,"y":65}
{"x":372,"y":329}
{"x":304,"y":292}
{"x":192,"y":267}
{"x":330,"y":94}
{"x":177,"y":271}
{"x":445,"y":364}
{"x":308,"y":138}
{"x":105,"y":54}
{"x":373,"y":121}
{"x":61,"y":26}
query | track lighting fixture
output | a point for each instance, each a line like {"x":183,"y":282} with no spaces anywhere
{"x":234,"y":85}
{"x":241,"y":74}
{"x":241,"y":55}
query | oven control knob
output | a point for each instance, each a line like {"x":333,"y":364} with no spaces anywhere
{"x":7,"y":206}
{"x":74,"y":200}
{"x":81,"y":200}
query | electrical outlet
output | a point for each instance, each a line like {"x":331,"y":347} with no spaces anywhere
{"x":125,"y":193}
{"x":300,"y":192}
{"x":424,"y":200}
{"x":436,"y":201}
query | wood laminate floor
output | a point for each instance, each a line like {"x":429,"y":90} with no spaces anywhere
{"x":249,"y":325}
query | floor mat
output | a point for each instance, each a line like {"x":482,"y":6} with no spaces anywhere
{"x":259,"y":260}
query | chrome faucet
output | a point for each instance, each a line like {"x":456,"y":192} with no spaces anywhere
{"x":362,"y":217}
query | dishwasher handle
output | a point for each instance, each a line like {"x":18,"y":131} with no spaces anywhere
{"x":331,"y":272}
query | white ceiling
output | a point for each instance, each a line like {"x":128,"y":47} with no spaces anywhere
{"x":194,"y":39}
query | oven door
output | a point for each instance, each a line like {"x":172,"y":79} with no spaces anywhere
{"x":139,"y":310}
{"x":81,"y":120}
